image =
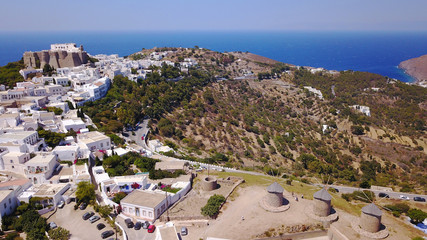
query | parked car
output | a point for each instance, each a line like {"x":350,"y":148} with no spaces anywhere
{"x":94,"y":219}
{"x":107,"y":234}
{"x":100,"y":226}
{"x":61,"y":204}
{"x":383,"y":195}
{"x":83,"y":206}
{"x":419,"y":199}
{"x":137,"y":225}
{"x":184,"y":231}
{"x":87,"y":215}
{"x":52,"y":225}
{"x":145,"y":225}
{"x":129,"y":223}
{"x":151,"y":228}
{"x":403,"y":197}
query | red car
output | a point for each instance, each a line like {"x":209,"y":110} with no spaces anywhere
{"x":142,"y":138}
{"x":151,"y":228}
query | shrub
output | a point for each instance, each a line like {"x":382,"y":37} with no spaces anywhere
{"x":213,"y":206}
{"x":365,"y":184}
{"x":397,"y":208}
{"x":357,"y":130}
{"x":417,"y":215}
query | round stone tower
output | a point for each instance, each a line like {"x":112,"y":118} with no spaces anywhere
{"x":209,"y":183}
{"x":370,"y":220}
{"x":275,"y":195}
{"x":322,"y":203}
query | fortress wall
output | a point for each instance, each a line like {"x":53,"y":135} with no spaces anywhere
{"x":55,"y":58}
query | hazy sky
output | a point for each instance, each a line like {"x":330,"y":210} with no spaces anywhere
{"x":208,"y":15}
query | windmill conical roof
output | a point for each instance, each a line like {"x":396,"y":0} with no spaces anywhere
{"x":322,"y":194}
{"x":275,"y":188}
{"x":372,"y":209}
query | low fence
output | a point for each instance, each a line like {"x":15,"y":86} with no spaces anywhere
{"x":125,"y":236}
{"x":45,"y":210}
{"x":182,"y":218}
{"x":301,"y":235}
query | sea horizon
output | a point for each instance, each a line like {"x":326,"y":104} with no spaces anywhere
{"x":376,"y":52}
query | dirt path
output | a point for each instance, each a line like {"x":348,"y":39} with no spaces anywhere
{"x":256,"y":220}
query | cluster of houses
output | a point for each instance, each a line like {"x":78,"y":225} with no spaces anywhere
{"x":145,"y":200}
{"x":30,"y":168}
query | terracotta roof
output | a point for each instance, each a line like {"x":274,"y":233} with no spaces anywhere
{"x":372,"y":209}
{"x":275,"y":188}
{"x":322,"y":194}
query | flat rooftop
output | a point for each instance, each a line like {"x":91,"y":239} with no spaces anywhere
{"x":144,"y":198}
{"x":168,"y":233}
{"x":170,"y":165}
{"x":50,"y":189}
{"x":4,"y":194}
{"x":9,"y":115}
{"x":17,"y":135}
{"x":91,"y":137}
{"x":41,"y":159}
{"x":66,"y":148}
{"x":13,"y":154}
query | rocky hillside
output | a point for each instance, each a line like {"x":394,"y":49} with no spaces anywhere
{"x":417,"y":68}
{"x":275,"y":125}
{"x":249,"y":112}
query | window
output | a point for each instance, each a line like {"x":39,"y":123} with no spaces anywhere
{"x":5,"y":206}
{"x":10,"y":201}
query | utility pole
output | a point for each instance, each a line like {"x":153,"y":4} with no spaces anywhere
{"x":167,"y":206}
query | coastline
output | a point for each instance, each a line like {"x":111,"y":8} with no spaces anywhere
{"x":416,"y":68}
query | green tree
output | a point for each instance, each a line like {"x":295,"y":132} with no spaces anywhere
{"x":59,"y":233}
{"x":70,"y":105}
{"x":48,"y":70}
{"x":85,"y":192}
{"x":52,"y":139}
{"x":357,"y":130}
{"x":104,"y":211}
{"x":118,"y":197}
{"x":417,"y":215}
{"x":213,"y":205}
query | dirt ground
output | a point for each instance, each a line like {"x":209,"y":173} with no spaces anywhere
{"x":197,"y":198}
{"x":256,"y":221}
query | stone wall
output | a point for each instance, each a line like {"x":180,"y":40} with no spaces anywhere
{"x":322,"y":208}
{"x":370,"y":223}
{"x":209,"y":183}
{"x":56,"y":59}
{"x":274,"y":199}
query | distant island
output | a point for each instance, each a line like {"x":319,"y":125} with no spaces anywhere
{"x":417,"y":68}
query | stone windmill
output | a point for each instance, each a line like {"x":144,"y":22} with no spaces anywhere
{"x":370,"y":219}
{"x":322,"y":203}
{"x":369,"y":223}
{"x":275,"y":195}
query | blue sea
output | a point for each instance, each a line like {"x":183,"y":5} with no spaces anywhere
{"x":377,"y":52}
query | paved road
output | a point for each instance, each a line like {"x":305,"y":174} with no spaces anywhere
{"x":80,"y":229}
{"x":395,"y":195}
{"x":133,"y":234}
{"x":142,"y":130}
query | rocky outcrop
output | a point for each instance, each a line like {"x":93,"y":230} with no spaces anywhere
{"x":55,"y":58}
{"x":417,"y":68}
